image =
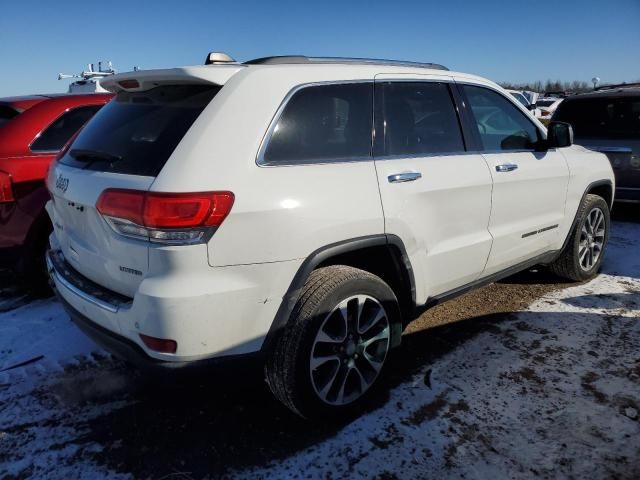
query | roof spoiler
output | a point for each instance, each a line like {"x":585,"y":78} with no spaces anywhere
{"x":142,"y":80}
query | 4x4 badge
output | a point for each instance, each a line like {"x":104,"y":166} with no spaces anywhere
{"x":62,"y":183}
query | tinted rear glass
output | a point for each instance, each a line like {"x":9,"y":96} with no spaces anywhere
{"x":602,"y":117}
{"x":6,"y":114}
{"x":56,"y":135}
{"x":136,"y":132}
{"x":419,"y":119}
{"x":545,"y":103}
{"x":322,"y":124}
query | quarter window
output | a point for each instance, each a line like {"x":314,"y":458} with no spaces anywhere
{"x":59,"y":132}
{"x":501,"y":125}
{"x":419,"y":118}
{"x":6,"y":114}
{"x":323,"y":123}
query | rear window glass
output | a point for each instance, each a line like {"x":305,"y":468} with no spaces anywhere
{"x":545,"y":103}
{"x":323,"y":123}
{"x":419,"y":119}
{"x":136,"y":132}
{"x":6,"y":114}
{"x":56,"y":135}
{"x":602,"y":117}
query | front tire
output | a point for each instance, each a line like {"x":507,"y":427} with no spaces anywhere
{"x":582,"y":256}
{"x":333,"y":350}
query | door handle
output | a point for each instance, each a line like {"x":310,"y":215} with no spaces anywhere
{"x":506,"y":167}
{"x":404,"y":177}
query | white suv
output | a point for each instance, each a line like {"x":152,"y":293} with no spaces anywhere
{"x":304,"y":210}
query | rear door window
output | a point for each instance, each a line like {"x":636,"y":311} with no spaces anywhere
{"x":136,"y":132}
{"x":418,"y":118}
{"x":616,"y":117}
{"x":323,"y":123}
{"x":56,"y":135}
{"x":501,"y":125}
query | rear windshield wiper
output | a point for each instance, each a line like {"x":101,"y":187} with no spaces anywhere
{"x":91,"y":156}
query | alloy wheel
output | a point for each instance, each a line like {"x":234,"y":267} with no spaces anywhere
{"x":592,"y":236}
{"x":349,"y":350}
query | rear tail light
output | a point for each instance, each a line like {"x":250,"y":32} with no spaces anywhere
{"x":6,"y":188}
{"x":172,"y":218}
{"x":161,"y":345}
{"x":544,"y":113}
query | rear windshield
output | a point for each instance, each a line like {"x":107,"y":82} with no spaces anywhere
{"x":136,"y":132}
{"x":545,"y":103}
{"x":617,"y":117}
{"x":6,"y":114}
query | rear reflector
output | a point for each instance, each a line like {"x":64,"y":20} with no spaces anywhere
{"x":6,"y":188}
{"x":161,"y":345}
{"x":164,"y":217}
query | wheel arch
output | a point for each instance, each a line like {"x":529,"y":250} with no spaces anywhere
{"x":603,"y":188}
{"x":382,"y":255}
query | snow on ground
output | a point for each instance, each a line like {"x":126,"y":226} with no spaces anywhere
{"x":553,"y":392}
{"x":549,"y":392}
{"x":41,"y":328}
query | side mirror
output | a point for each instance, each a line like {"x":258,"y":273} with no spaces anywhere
{"x":559,"y":135}
{"x":531,"y":106}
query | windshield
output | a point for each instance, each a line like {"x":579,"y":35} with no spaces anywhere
{"x":602,"y":117}
{"x":521,"y":98}
{"x":136,"y":132}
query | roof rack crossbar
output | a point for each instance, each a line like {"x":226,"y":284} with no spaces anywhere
{"x":301,"y":59}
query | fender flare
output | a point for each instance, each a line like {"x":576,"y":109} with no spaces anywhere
{"x":323,"y":254}
{"x":590,"y":187}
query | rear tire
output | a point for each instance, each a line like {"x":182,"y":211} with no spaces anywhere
{"x":582,"y":256}
{"x":32,"y":270}
{"x":332,"y":352}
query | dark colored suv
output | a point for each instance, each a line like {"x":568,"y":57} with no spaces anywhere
{"x":608,"y":120}
{"x":33,"y":130}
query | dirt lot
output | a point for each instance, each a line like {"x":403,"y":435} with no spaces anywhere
{"x":535,"y":379}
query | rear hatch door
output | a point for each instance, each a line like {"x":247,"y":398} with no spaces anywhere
{"x":124,"y":146}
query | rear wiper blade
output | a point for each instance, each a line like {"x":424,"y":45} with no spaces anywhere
{"x":92,"y":155}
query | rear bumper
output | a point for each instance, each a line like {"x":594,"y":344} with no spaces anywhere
{"x":129,"y":351}
{"x":227,"y":319}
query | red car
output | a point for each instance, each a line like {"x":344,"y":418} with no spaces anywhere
{"x":32,"y":132}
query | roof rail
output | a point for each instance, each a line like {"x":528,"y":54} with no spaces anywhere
{"x":618,"y":85}
{"x":301,"y":59}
